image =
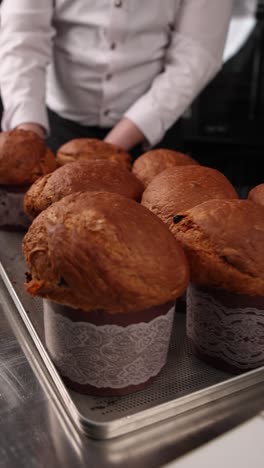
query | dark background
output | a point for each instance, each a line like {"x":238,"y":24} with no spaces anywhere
{"x":225,"y":128}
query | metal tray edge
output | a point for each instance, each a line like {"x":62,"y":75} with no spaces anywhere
{"x":142,"y":419}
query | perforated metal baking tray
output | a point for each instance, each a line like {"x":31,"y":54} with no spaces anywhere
{"x":184,"y":384}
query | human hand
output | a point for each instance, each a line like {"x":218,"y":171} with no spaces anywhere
{"x":32,"y":127}
{"x":125,"y":134}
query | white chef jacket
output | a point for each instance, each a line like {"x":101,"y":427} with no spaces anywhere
{"x":94,"y":62}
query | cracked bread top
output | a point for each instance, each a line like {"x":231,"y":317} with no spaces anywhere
{"x":103,"y":251}
{"x":224,"y":243}
{"x":256,"y":194}
{"x":152,"y":163}
{"x":80,"y":176}
{"x":91,"y":149}
{"x":24,"y":157}
{"x":179,"y":188}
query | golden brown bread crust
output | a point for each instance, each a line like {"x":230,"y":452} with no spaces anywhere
{"x":81,"y":176}
{"x":223,"y":241}
{"x":152,"y":163}
{"x":256,"y":194}
{"x":103,"y":251}
{"x":179,"y":188}
{"x":24,"y":158}
{"x":90,"y":149}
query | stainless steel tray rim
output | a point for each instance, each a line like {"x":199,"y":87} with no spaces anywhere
{"x":152,"y":415}
{"x":125,"y":424}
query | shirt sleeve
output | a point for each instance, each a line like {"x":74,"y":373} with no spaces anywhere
{"x":25,"y":51}
{"x":193,"y":58}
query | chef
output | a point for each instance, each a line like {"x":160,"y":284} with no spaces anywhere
{"x":120,"y":70}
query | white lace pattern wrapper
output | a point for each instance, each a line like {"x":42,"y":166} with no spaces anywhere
{"x":11,"y":208}
{"x":234,"y":335}
{"x":107,"y":356}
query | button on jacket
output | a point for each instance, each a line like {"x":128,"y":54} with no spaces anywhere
{"x":94,"y":62}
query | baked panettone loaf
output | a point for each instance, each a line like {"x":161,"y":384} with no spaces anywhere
{"x":24,"y":157}
{"x":152,"y":163}
{"x":90,"y":149}
{"x":179,"y":188}
{"x":103,"y":251}
{"x":223,"y":241}
{"x":80,"y":176}
{"x":256,"y":194}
